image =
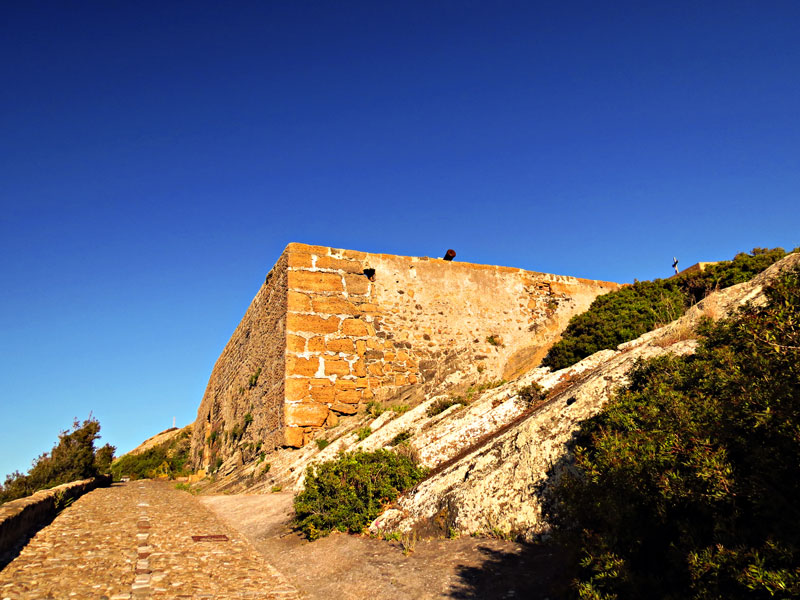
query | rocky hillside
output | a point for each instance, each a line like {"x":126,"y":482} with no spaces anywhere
{"x":492,"y":453}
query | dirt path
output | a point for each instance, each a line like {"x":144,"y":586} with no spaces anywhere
{"x":349,"y":567}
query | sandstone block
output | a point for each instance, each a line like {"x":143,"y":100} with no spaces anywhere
{"x":296,"y":389}
{"x":308,"y":249}
{"x":341,"y":345}
{"x":361,"y":347}
{"x":339,"y":264}
{"x":314,"y":281}
{"x":345,"y":384}
{"x":311,"y":323}
{"x":360,"y":368}
{"x":356,"y":284}
{"x":331,"y":305}
{"x":348,"y":396}
{"x":297,"y":365}
{"x":293,"y":437}
{"x":369,"y":309}
{"x":412,"y":378}
{"x":299,"y":260}
{"x":354,"y":254}
{"x":400,"y":380}
{"x":298,"y":302}
{"x":322,"y":392}
{"x":336,"y":367}
{"x":375,"y":369}
{"x":295,"y":343}
{"x":305,"y":414}
{"x":344,"y":409}
{"x":362,"y":382}
{"x":354,"y":327}
{"x":332,"y":420}
{"x":316,"y":344}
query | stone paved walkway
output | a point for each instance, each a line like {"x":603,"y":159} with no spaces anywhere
{"x":134,"y":541}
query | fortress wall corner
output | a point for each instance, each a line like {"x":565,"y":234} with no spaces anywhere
{"x":331,"y":330}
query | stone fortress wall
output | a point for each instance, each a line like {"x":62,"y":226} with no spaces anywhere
{"x":348,"y":327}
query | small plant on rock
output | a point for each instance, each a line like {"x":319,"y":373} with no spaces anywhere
{"x":401,"y":437}
{"x":494,"y":340}
{"x":363,"y":433}
{"x":375,"y":409}
{"x":443,"y":404}
{"x":253,"y":381}
{"x":532,"y":395}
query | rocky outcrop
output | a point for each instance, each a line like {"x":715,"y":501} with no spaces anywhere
{"x":500,"y":485}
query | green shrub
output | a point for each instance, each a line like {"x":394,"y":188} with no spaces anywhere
{"x":686,"y":485}
{"x":363,"y":433}
{"x":253,"y":381}
{"x":531,"y":396}
{"x":168,"y":459}
{"x":400,"y":409}
{"x":375,"y":408}
{"x":322,"y":444}
{"x":71,"y":459}
{"x":443,"y":404}
{"x":401,"y":437}
{"x":349,"y":492}
{"x":248,"y":418}
{"x":633,"y":310}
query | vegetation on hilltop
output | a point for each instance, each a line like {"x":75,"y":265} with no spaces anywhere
{"x":631,"y":311}
{"x":73,"y":458}
{"x":168,"y":459}
{"x":686,"y":485}
{"x":349,"y":492}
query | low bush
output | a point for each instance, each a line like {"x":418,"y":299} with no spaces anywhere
{"x":401,"y":437}
{"x":349,"y":492}
{"x":164,"y":460}
{"x":73,"y":458}
{"x":532,"y":395}
{"x":633,"y":310}
{"x":686,"y":485}
{"x":363,"y":433}
{"x":375,"y":408}
{"x":443,"y":404}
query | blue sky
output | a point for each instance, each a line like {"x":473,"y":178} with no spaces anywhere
{"x":156,"y":157}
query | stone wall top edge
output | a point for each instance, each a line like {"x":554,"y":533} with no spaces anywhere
{"x":357,"y":254}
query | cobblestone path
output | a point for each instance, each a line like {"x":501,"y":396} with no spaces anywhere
{"x":134,"y":541}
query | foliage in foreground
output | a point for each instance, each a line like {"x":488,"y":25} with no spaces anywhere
{"x":349,"y":492}
{"x":686,"y":485}
{"x":164,"y":460}
{"x":73,"y":458}
{"x":631,"y":311}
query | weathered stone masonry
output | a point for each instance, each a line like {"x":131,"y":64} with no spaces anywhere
{"x":327,"y":338}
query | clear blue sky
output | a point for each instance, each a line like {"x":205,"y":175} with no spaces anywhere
{"x":156,"y":157}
